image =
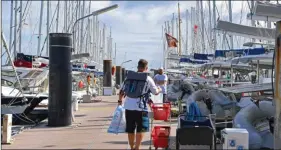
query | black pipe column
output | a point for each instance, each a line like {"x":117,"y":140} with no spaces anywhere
{"x":118,"y":75}
{"x":107,"y":73}
{"x":60,"y":77}
{"x":123,"y":74}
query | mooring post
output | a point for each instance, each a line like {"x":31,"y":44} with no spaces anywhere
{"x":60,"y":80}
{"x":277,"y":88}
{"x":107,"y":77}
{"x":118,"y":75}
{"x":123,"y":75}
{"x":7,"y":129}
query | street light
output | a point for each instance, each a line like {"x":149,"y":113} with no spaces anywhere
{"x":125,"y":62}
{"x":95,"y":13}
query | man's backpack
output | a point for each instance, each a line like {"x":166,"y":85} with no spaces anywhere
{"x":135,"y":84}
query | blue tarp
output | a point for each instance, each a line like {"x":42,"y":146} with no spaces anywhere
{"x":240,"y":52}
{"x":188,"y":60}
{"x":194,"y":112}
{"x":202,"y":56}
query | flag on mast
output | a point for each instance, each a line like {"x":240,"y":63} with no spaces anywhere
{"x":172,"y":42}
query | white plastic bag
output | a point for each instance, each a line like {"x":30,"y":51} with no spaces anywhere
{"x":118,"y":123}
{"x":157,"y":99}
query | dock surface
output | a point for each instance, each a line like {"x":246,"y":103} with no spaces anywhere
{"x":89,"y":131}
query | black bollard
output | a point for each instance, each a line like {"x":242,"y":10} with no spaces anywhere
{"x":118,"y":75}
{"x":107,"y":73}
{"x":123,"y":74}
{"x":60,"y":80}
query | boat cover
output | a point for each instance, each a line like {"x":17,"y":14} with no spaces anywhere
{"x":239,"y":52}
{"x":202,"y":56}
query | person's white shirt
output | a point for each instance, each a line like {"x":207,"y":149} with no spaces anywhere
{"x":133,"y":103}
{"x":162,"y":77}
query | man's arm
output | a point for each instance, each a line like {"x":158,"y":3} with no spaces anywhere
{"x":153,"y":88}
{"x":121,"y":94}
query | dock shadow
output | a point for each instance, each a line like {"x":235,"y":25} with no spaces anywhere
{"x":117,"y":142}
{"x":109,"y":117}
{"x":94,"y":120}
{"x":82,"y":115}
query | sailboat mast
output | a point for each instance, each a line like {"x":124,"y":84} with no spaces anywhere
{"x":164,"y":51}
{"x":172,"y":22}
{"x":58,"y":15}
{"x":252,"y":20}
{"x":81,"y":46}
{"x":48,"y":27}
{"x":15,"y":28}
{"x":98,"y":39}
{"x":88,"y":34}
{"x":109,"y":49}
{"x":179,"y":29}
{"x":93,"y":38}
{"x":203,"y":27}
{"x":230,"y":20}
{"x":20,"y":26}
{"x":40,"y":27}
{"x":186,"y":42}
{"x":169,"y":31}
{"x":103,"y":42}
{"x":115,"y":54}
{"x":65,"y":16}
{"x":215,"y":24}
{"x":192,"y":28}
{"x":210,"y":27}
{"x":11,"y":27}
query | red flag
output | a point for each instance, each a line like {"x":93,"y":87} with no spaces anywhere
{"x":195,"y":28}
{"x":172,"y":42}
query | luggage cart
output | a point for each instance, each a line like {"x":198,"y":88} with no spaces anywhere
{"x":160,"y":135}
{"x":198,"y":132}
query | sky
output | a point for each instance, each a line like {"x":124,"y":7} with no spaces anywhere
{"x":136,"y":26}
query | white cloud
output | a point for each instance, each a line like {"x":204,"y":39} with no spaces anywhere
{"x":136,"y":26}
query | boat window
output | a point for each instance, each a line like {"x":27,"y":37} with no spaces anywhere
{"x":9,"y":73}
{"x":6,"y":83}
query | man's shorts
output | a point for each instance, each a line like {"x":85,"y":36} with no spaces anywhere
{"x":136,"y":120}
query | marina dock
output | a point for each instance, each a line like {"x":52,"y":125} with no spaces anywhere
{"x":89,"y":131}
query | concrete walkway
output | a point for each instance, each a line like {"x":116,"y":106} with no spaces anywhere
{"x":88,"y":132}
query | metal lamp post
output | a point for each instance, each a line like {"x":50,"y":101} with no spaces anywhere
{"x":125,"y":62}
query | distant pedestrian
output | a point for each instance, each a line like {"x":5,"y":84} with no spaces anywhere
{"x":161,"y":79}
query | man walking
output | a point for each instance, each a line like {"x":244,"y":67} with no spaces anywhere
{"x":137,"y":87}
{"x":161,"y":79}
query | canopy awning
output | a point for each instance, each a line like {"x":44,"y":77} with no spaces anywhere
{"x":225,"y":64}
{"x":252,"y":58}
{"x":262,"y":18}
{"x":246,"y":31}
{"x":247,"y":88}
{"x":267,"y":9}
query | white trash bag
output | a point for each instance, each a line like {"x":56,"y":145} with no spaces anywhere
{"x":118,"y":122}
